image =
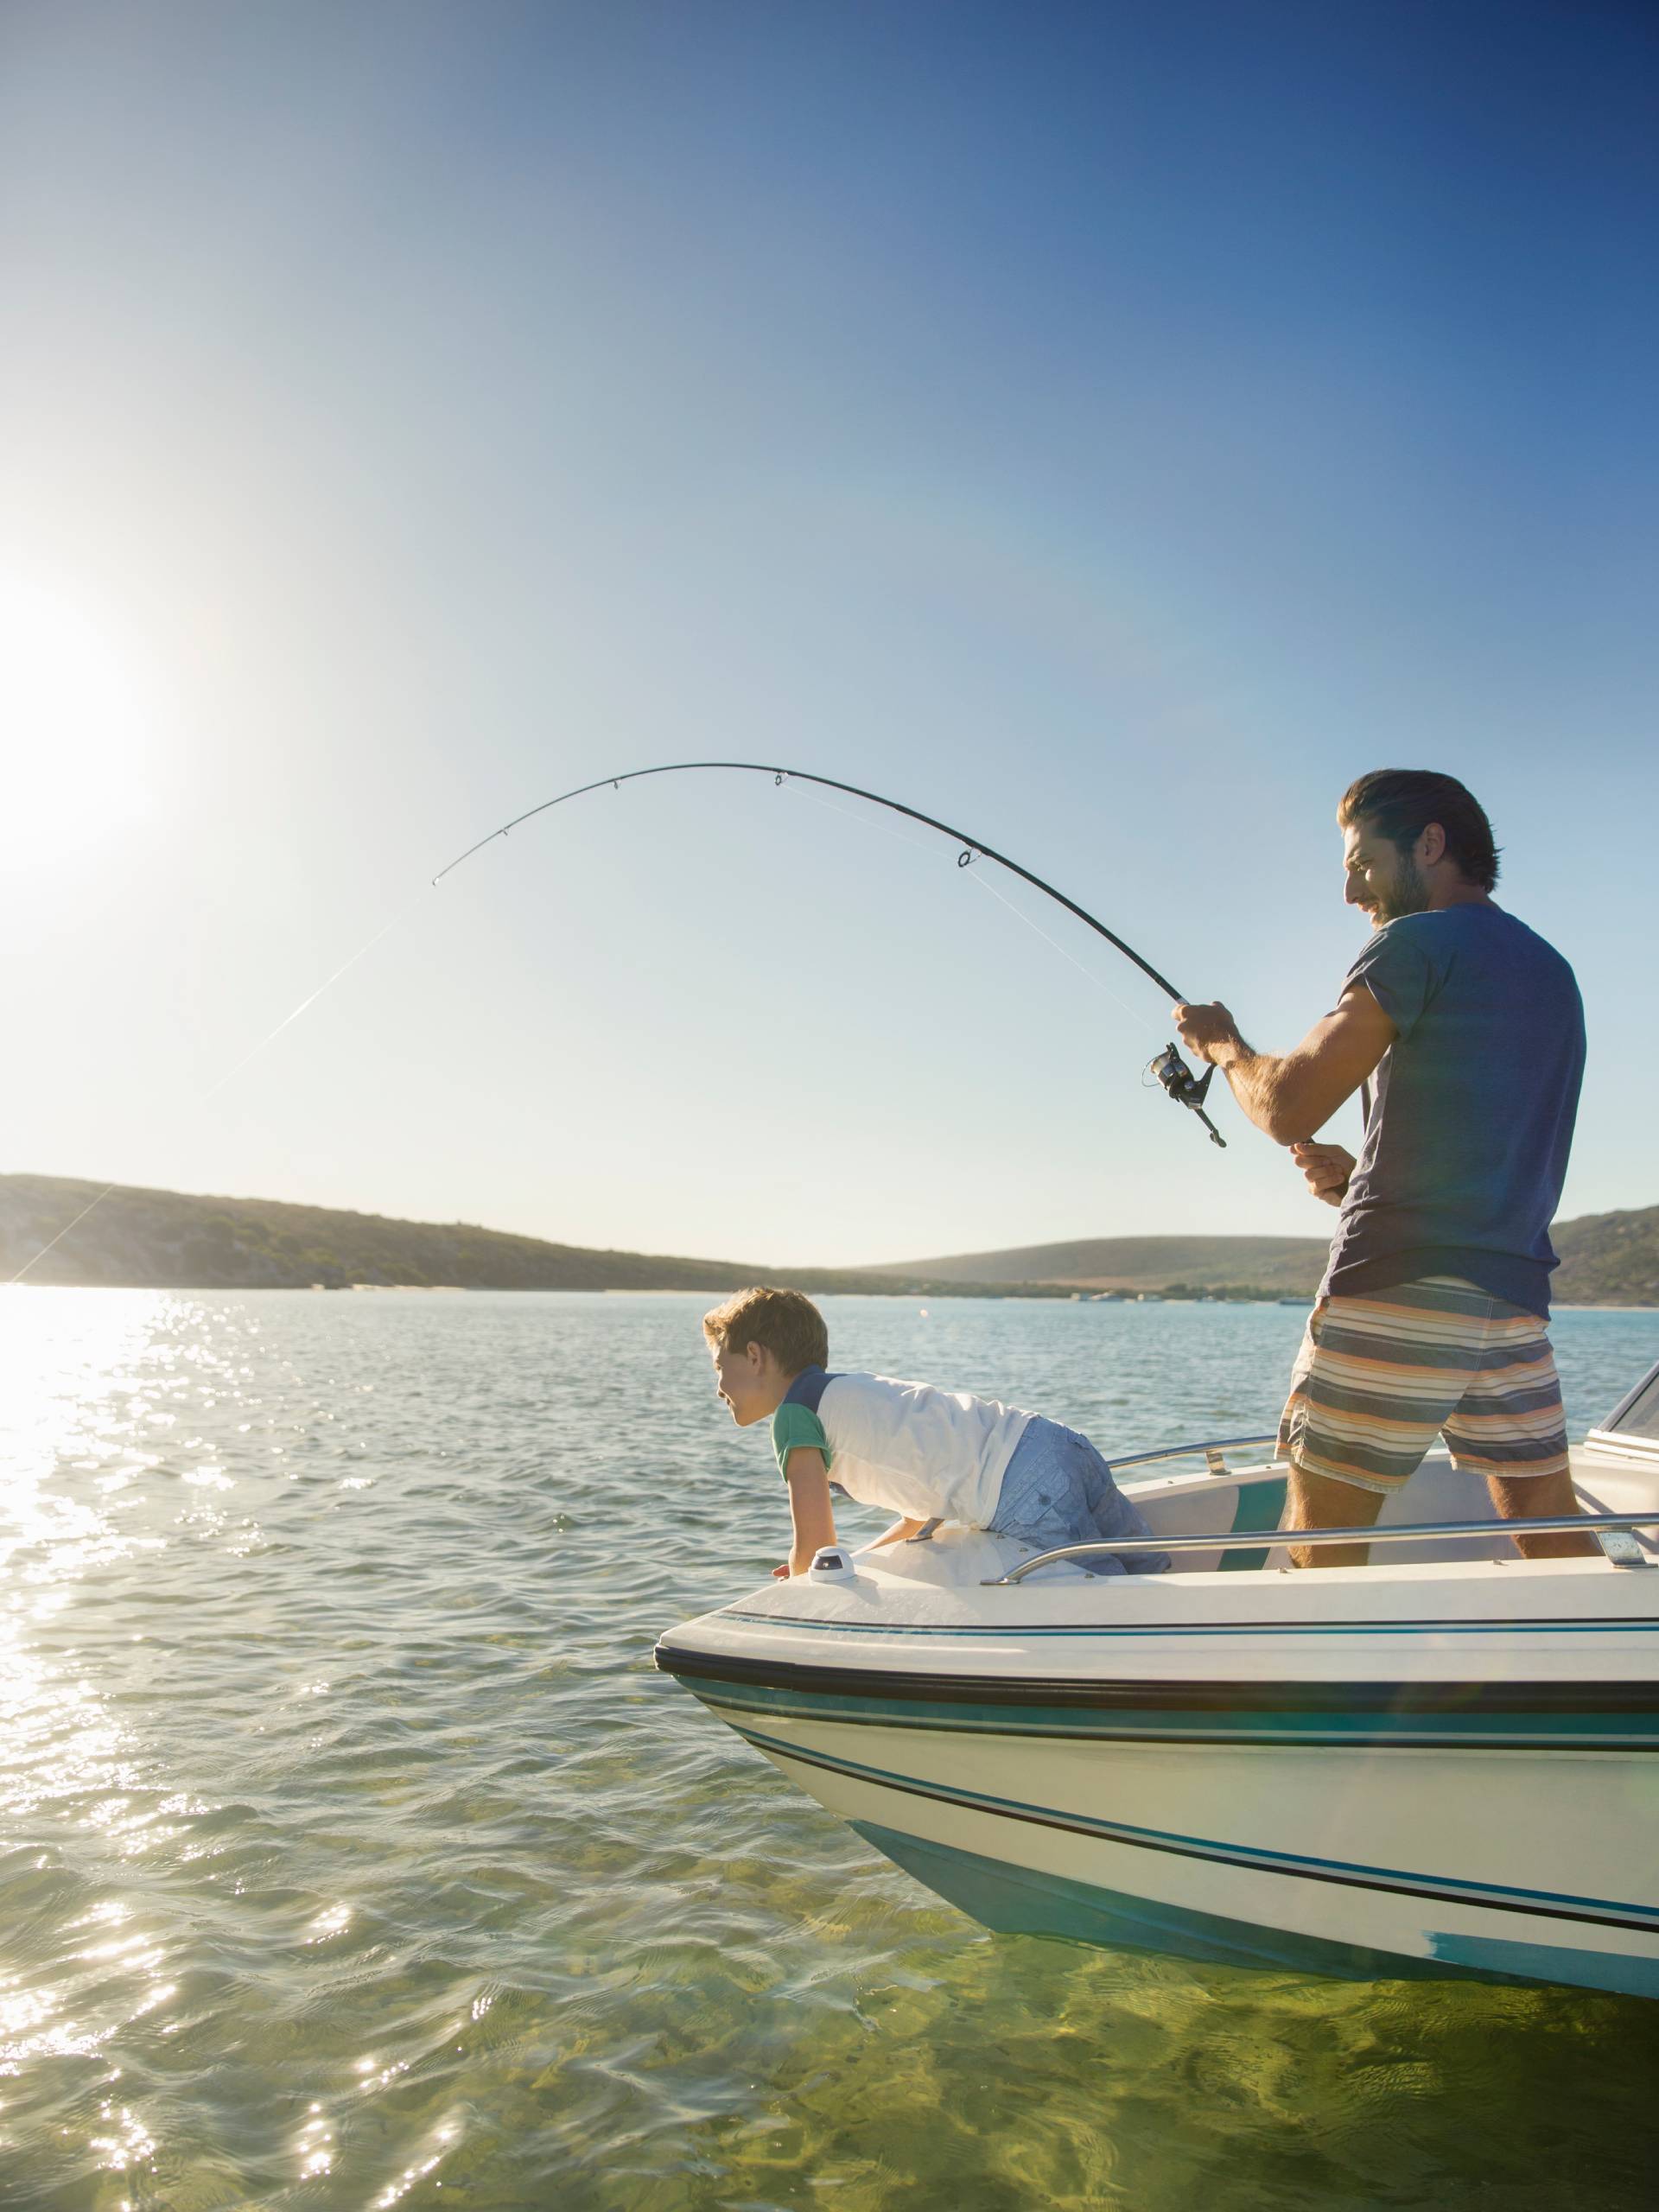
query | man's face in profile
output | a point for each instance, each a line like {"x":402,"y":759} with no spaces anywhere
{"x":1382,"y":881}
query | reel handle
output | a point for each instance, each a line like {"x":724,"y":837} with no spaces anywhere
{"x":1187,"y":1090}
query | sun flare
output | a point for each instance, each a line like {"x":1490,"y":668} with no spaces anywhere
{"x":76,"y":724}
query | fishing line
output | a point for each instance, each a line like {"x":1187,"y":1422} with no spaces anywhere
{"x":62,"y":1234}
{"x":270,"y":1035}
{"x":900,"y":836}
{"x":213,"y":1088}
{"x":983,"y":882}
{"x":1099,"y":981}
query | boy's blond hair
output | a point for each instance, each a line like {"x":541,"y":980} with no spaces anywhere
{"x":786,"y":1323}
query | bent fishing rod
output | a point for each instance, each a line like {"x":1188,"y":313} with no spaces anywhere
{"x":1170,"y":1071}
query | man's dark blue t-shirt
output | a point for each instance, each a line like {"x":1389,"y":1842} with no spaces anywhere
{"x":1465,"y":1150}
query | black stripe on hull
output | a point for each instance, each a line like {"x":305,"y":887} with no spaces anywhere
{"x":1452,"y":1700}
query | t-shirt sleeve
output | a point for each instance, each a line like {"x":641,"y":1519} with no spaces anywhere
{"x":793,"y":1427}
{"x":1399,"y":974}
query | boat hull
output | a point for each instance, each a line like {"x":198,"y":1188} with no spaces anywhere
{"x":1438,"y":1790}
{"x":1368,"y":1863}
{"x":1444,"y":1766}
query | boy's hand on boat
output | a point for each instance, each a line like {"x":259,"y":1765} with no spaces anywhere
{"x":1327,"y":1168}
{"x":781,"y":1574}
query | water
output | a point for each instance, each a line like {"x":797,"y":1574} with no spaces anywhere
{"x":352,"y":1854}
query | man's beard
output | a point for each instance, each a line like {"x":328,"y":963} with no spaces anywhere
{"x":1407,"y":894}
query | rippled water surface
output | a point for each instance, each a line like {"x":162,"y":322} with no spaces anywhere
{"x":352,"y":1854}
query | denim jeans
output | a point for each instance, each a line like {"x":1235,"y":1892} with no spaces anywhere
{"x":1057,"y":1490}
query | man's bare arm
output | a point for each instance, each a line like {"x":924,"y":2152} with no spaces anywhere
{"x":1289,"y":1095}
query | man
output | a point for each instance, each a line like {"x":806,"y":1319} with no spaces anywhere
{"x":1431,"y":1317}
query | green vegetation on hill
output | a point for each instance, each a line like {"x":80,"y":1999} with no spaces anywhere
{"x":169,"y":1240}
{"x":1607,"y":1258}
{"x":1286,"y":1264}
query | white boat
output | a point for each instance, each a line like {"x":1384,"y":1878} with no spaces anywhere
{"x":1443,"y":1763}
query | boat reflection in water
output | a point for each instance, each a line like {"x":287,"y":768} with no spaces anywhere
{"x":1443,"y":1763}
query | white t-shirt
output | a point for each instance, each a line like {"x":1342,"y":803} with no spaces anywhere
{"x":926,"y":1454}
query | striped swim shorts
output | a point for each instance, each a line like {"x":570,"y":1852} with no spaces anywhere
{"x":1378,"y":1378}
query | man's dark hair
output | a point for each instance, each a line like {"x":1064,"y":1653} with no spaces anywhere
{"x":1399,"y":804}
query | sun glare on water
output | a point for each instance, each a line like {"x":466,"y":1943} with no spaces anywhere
{"x":76,"y":716}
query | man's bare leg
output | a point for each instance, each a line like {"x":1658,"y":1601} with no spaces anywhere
{"x":1317,"y":1502}
{"x":1540,"y":1498}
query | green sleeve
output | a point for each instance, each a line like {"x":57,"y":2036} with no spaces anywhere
{"x":792,"y":1427}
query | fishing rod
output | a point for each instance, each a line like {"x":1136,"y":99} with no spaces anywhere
{"x":1170,"y":1071}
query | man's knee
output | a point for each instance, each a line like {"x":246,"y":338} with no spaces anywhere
{"x":1321,"y":1502}
{"x":1541,"y":1498}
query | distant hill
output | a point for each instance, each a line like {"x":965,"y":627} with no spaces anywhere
{"x":172,"y":1240}
{"x":1135,"y":1263}
{"x":1607,"y":1258}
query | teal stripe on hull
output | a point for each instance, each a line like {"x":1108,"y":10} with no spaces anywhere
{"x":1496,"y":1959}
{"x":1261,"y":1507}
{"x":1019,"y":1900}
{"x":1588,"y":1731}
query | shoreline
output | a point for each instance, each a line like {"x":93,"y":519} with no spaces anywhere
{"x":955,"y":1293}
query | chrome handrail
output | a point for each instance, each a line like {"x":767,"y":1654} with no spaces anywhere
{"x":1629,"y":1399}
{"x":1602,"y":1526}
{"x":1212,"y":1449}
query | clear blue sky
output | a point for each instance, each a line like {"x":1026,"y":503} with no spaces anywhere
{"x":1110,"y":427}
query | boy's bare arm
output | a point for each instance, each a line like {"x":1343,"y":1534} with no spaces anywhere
{"x":900,"y":1532}
{"x":810,"y":1508}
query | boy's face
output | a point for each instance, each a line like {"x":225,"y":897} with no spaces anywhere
{"x":750,"y":1382}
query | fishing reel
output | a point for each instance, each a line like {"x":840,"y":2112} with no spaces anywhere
{"x":1185,"y":1088}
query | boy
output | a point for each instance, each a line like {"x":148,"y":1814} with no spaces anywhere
{"x":926,"y":1455}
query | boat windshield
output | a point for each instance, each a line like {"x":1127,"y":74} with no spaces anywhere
{"x":1638,"y":1414}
